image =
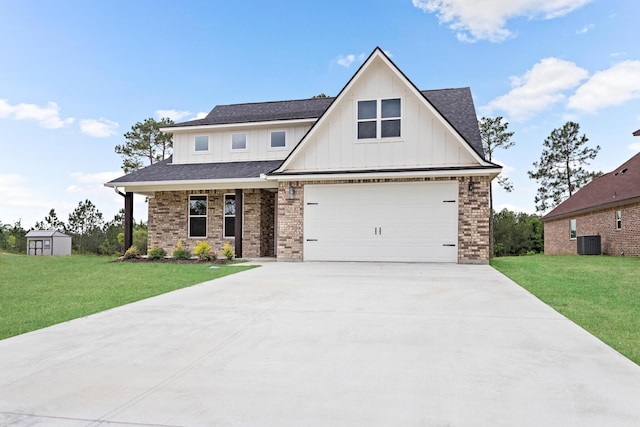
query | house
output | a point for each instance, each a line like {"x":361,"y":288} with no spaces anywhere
{"x":609,"y":207}
{"x":381,"y":172}
{"x":48,"y":242}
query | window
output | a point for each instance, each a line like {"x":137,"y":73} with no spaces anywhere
{"x":572,"y":229}
{"x":379,"y":117}
{"x":198,"y":216}
{"x":239,"y":141}
{"x":278,"y":139}
{"x":229,"y":215}
{"x":618,"y":220}
{"x":47,"y":244}
{"x":202,"y":143}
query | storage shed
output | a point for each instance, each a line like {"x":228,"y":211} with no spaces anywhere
{"x":48,"y":242}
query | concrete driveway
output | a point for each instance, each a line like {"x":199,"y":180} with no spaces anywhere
{"x":322,"y":344}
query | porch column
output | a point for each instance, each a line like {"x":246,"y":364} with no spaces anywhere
{"x":128,"y":220}
{"x":238,"y":227}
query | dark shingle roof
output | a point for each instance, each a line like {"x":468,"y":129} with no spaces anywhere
{"x":614,"y":188}
{"x":263,"y":112}
{"x":167,"y":171}
{"x":456,"y":105}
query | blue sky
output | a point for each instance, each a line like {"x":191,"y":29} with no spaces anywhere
{"x":76,"y":75}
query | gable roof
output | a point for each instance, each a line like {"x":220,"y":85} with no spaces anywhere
{"x":46,"y":233}
{"x":618,"y":187}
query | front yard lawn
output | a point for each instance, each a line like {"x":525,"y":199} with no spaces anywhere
{"x":36,"y":292}
{"x":599,"y":293}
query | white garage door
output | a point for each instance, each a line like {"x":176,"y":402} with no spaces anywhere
{"x":416,"y":221}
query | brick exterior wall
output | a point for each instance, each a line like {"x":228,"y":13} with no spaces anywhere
{"x":169,"y":216}
{"x":601,"y":222}
{"x":473,"y":217}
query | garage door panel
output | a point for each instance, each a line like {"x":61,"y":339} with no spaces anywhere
{"x":381,"y":222}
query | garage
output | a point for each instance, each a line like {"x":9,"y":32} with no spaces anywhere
{"x":403,"y":222}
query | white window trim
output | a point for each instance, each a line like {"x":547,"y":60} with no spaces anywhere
{"x":286,"y":137}
{"x":206,"y":218}
{"x":207,"y":151}
{"x":573,"y":227}
{"x":379,"y":120}
{"x":246,"y":142}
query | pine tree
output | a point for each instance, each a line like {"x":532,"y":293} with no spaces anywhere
{"x":145,"y":144}
{"x":560,"y":171}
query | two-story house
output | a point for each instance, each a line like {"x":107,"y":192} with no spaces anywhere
{"x":381,"y":172}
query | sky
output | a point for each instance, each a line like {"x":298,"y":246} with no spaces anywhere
{"x":76,"y":75}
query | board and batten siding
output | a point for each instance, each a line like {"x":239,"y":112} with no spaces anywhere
{"x":258,"y":144}
{"x":424,"y":141}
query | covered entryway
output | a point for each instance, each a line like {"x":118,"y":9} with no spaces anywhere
{"x":404,"y":221}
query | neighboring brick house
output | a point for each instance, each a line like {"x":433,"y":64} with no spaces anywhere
{"x":609,"y":206}
{"x":381,"y":172}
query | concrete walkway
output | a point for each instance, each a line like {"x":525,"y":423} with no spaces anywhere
{"x":322,"y":344}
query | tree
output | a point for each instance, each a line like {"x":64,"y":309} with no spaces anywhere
{"x":517,"y":233}
{"x":320,"y":95}
{"x":51,"y":222}
{"x":85,"y":225}
{"x":494,"y":135}
{"x":560,"y":171}
{"x":145,"y":142}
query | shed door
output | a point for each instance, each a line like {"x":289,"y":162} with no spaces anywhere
{"x":412,"y":222}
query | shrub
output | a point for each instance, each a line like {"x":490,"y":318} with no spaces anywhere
{"x":227,"y":251}
{"x":202,"y":251}
{"x":132,"y":253}
{"x":180,"y":253}
{"x":156,"y":253}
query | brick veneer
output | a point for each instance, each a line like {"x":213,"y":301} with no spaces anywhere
{"x":473,"y":217}
{"x":600,"y":222}
{"x":169,"y":216}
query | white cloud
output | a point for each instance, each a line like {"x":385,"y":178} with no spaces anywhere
{"x":613,"y":86}
{"x":174,"y":115}
{"x":98,"y":128}
{"x":634,"y":147}
{"x":47,"y":117}
{"x":585,"y":29}
{"x":200,"y":115}
{"x":96,"y":178}
{"x":506,"y":169}
{"x":347,"y":60}
{"x":538,"y":89}
{"x":486,"y":19}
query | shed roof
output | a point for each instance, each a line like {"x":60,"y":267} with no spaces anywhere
{"x":618,"y":187}
{"x":46,"y":233}
{"x":168,"y":171}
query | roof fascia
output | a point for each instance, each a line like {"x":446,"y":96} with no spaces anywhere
{"x":193,"y":184}
{"x":238,"y":125}
{"x":378,"y":174}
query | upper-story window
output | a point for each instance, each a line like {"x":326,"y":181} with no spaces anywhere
{"x":239,"y":141}
{"x":278,"y":139}
{"x":202,"y":143}
{"x":379,"y":118}
{"x":618,"y":220}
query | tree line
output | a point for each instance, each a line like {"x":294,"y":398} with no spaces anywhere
{"x":90,"y":233}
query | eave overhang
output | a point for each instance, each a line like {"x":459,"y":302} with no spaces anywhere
{"x":270,"y":123}
{"x":456,"y":171}
{"x":148,"y":188}
{"x":590,"y":209}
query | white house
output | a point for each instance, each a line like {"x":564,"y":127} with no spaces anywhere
{"x":383,"y":171}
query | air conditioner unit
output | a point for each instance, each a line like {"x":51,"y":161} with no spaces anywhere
{"x":589,"y":245}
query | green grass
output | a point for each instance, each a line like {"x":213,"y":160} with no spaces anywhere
{"x":36,"y":292}
{"x":599,"y":293}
